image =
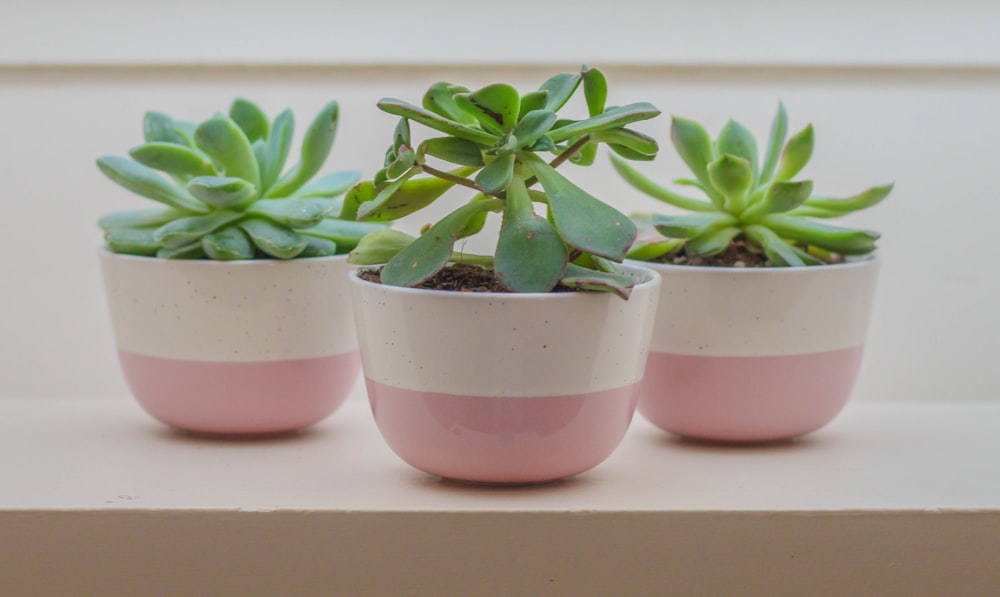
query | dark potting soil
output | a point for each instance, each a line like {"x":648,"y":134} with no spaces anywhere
{"x":456,"y":277}
{"x":737,"y":254}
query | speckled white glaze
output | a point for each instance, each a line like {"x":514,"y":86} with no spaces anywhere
{"x":232,"y":311}
{"x":504,"y":344}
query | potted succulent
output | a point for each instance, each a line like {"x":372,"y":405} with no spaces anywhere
{"x":531,"y":373}
{"x":764,"y":308}
{"x":222,"y":326}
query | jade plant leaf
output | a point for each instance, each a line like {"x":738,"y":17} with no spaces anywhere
{"x":595,"y":89}
{"x":497,"y":174}
{"x":530,"y":256}
{"x":380,"y":246}
{"x":440,"y":99}
{"x":456,"y":151}
{"x":559,"y":89}
{"x":589,"y":279}
{"x":533,"y":126}
{"x":612,"y":118}
{"x":435,"y":121}
{"x":496,"y":106}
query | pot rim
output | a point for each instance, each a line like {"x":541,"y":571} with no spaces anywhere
{"x":105,"y":251}
{"x":652,"y":280}
{"x":860,"y":261}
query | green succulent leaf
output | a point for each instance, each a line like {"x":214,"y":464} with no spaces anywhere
{"x":777,"y":250}
{"x":274,"y":239}
{"x":780,"y":197}
{"x":406,"y":198}
{"x":796,"y":155}
{"x":588,"y":279}
{"x":405,"y":159}
{"x":642,"y":144}
{"x":221,"y":191}
{"x":560,"y":88}
{"x":440,"y":100}
{"x":345,"y":234}
{"x":583,"y":221}
{"x":141,"y":218}
{"x":173,"y":159}
{"x":456,"y":151}
{"x":533,"y":126}
{"x":316,"y":147}
{"x":273,"y":155}
{"x":224,"y":141}
{"x":132,"y":241}
{"x":144,"y":181}
{"x":250,"y":118}
{"x":294,"y":213}
{"x":779,"y":131}
{"x":497,"y":174}
{"x":839,"y":207}
{"x":733,"y":177}
{"x":401,"y":136}
{"x":530,"y":256}
{"x":586,"y":155}
{"x":188,"y":230}
{"x":318,"y":247}
{"x":736,"y":140}
{"x":228,"y":244}
{"x":647,"y":186}
{"x":535,"y":100}
{"x":436,"y":122}
{"x":711,"y":242}
{"x":476,"y":222}
{"x":595,"y":89}
{"x":495,"y":106}
{"x":159,"y":128}
{"x":379,"y":247}
{"x":832,"y":238}
{"x":694,"y":146}
{"x":649,"y":244}
{"x":191,"y":251}
{"x":432,"y":250}
{"x":691,"y":225}
{"x":609,"y":119}
{"x":380,"y":202}
{"x":329,"y":186}
{"x":186,"y":130}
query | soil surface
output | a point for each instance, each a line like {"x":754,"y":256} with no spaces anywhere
{"x":456,"y":277}
{"x":737,"y":254}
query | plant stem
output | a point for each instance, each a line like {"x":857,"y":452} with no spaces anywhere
{"x":465,"y":182}
{"x":562,"y":157}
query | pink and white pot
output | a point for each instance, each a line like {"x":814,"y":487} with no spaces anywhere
{"x":750,"y":355}
{"x":503,"y":388}
{"x":237,"y":347}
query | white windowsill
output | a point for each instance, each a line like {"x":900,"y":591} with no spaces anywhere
{"x":890,"y":496}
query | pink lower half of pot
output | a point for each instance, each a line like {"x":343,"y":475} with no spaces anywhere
{"x":747,"y":399}
{"x":240,"y":398}
{"x":502,"y":440}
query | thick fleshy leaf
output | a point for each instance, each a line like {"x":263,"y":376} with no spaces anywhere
{"x":634,"y":140}
{"x":274,"y":239}
{"x":733,"y":177}
{"x":432,"y":250}
{"x":796,"y":155}
{"x":144,"y":181}
{"x":316,"y":145}
{"x":690,"y":225}
{"x":630,"y":154}
{"x":595,"y":89}
{"x":141,"y":218}
{"x":273,"y":155}
{"x":694,"y":146}
{"x":404,"y":159}
{"x":736,"y":140}
{"x":318,"y":247}
{"x":456,"y":151}
{"x":777,"y":250}
{"x":439,"y":123}
{"x":191,"y":251}
{"x":647,"y":186}
{"x":159,"y":128}
{"x":407,"y":198}
{"x":329,"y":186}
{"x":250,"y":118}
{"x":132,"y":241}
{"x":534,"y":100}
{"x":495,"y":106}
{"x":832,"y":238}
{"x":560,"y":88}
{"x":228,"y":244}
{"x":383,"y":197}
{"x":530,"y":256}
{"x":779,"y":130}
{"x":711,"y":242}
{"x":379,"y":247}
{"x":440,"y":100}
{"x":221,"y":191}
{"x":474,"y":225}
{"x":173,"y":159}
{"x":224,"y":141}
{"x":609,"y":119}
{"x":587,"y":279}
{"x":586,"y":155}
{"x":781,"y":197}
{"x":839,"y":207}
{"x":649,"y":244}
{"x":294,"y":213}
{"x":533,"y":126}
{"x":188,"y":230}
{"x":401,"y":136}
{"x":346,"y":234}
{"x":583,"y":221}
{"x":497,"y":174}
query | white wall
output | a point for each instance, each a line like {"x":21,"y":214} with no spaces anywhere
{"x":904,"y":91}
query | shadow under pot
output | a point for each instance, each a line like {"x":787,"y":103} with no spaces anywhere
{"x":233,"y":347}
{"x":503,"y":388}
{"x":755,"y":354}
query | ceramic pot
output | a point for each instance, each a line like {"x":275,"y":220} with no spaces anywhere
{"x":233,"y":347}
{"x":749,"y":355}
{"x":503,"y":387}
